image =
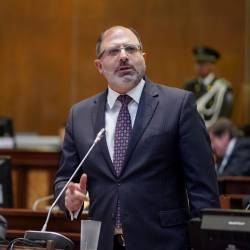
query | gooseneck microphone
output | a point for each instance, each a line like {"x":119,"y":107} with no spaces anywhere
{"x":60,"y":241}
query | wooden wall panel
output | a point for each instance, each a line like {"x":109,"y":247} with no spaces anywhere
{"x":47,"y":49}
{"x":35,"y":48}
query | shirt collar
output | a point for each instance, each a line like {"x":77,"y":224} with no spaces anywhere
{"x":230,"y":147}
{"x":134,"y":93}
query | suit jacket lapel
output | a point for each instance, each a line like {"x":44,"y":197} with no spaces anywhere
{"x":147,"y":106}
{"x":98,"y":117}
{"x":146,"y":109}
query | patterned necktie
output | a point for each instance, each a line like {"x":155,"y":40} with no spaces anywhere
{"x":123,"y":131}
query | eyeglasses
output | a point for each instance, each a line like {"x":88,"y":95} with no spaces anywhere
{"x":130,"y":49}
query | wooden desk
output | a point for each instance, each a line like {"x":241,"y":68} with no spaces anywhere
{"x":234,"y":185}
{"x":21,"y":220}
{"x":233,"y":191}
{"x":234,"y":201}
{"x":23,"y":163}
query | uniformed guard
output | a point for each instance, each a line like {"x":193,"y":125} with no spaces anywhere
{"x":213,"y":94}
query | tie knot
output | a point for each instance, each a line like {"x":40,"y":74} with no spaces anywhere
{"x":124,"y":99}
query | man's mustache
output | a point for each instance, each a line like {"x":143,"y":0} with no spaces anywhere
{"x":124,"y":65}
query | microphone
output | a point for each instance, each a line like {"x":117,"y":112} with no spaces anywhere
{"x":60,"y":241}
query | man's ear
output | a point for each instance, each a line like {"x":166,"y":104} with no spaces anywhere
{"x":98,"y":65}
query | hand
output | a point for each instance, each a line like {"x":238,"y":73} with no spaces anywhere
{"x":75,"y":194}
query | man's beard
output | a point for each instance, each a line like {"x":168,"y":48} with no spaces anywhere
{"x":125,"y":76}
{"x":128,"y":79}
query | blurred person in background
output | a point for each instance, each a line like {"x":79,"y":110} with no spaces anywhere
{"x":231,"y":149}
{"x":213,"y":94}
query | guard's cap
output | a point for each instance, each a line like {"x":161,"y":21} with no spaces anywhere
{"x":206,"y":54}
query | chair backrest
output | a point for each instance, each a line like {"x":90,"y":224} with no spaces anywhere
{"x":6,"y":126}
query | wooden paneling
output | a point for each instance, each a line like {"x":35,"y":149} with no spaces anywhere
{"x":47,"y":49}
{"x":234,"y":185}
{"x":33,"y":175}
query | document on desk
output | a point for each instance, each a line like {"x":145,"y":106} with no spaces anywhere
{"x":7,"y":142}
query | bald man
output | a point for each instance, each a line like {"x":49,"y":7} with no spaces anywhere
{"x":154,"y":170}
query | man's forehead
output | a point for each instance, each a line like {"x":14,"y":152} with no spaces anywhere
{"x":119,"y":34}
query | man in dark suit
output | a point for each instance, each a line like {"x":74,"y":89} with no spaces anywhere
{"x":230,"y":148}
{"x":213,"y":94}
{"x":154,"y":170}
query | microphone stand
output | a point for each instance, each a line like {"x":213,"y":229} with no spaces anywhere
{"x":60,"y":241}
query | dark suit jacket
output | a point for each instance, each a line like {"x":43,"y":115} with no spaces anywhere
{"x":239,"y":161}
{"x":168,"y":159}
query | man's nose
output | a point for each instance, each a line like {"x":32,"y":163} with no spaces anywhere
{"x":123,"y":53}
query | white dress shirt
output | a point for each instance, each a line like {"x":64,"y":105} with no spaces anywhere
{"x":112,"y":110}
{"x":228,"y":153}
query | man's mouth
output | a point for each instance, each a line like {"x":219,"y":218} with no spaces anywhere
{"x":123,"y":70}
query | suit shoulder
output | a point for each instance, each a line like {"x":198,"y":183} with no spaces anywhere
{"x":243,"y":142}
{"x":171,"y":91}
{"x":88,"y":102}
